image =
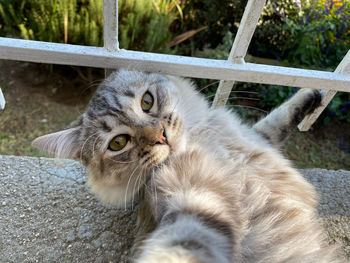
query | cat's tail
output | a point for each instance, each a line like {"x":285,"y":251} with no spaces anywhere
{"x":185,"y":239}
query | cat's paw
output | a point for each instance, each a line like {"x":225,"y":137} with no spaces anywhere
{"x":307,"y":101}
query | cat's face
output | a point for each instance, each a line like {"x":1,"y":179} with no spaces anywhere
{"x":131,"y":125}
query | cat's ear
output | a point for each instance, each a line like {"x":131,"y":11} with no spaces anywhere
{"x":63,"y":144}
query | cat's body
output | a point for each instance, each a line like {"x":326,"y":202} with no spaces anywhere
{"x":136,"y":122}
{"x":209,"y":209}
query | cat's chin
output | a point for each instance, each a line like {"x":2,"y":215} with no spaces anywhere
{"x":119,"y":194}
{"x":112,"y":195}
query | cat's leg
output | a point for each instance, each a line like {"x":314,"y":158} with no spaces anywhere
{"x":282,"y":121}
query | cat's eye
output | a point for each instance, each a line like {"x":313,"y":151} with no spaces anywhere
{"x":118,"y":142}
{"x":147,"y":102}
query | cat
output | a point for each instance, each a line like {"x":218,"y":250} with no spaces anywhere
{"x":138,"y":123}
{"x":213,"y":210}
{"x":136,"y":120}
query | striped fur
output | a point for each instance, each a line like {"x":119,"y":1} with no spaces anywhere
{"x":233,"y":198}
{"x":185,"y":116}
{"x":214,"y":210}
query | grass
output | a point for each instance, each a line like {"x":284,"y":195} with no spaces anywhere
{"x":31,"y":110}
{"x":320,"y":148}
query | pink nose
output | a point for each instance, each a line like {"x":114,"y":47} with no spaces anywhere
{"x":153,"y":135}
{"x":161,"y":139}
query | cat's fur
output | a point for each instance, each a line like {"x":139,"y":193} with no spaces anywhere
{"x":214,"y":210}
{"x":252,"y":202}
{"x":179,"y":109}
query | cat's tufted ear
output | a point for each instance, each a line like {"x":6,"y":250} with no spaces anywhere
{"x":63,"y":144}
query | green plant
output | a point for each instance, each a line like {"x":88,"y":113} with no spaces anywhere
{"x":320,"y":38}
{"x":269,"y":95}
{"x":143,"y":24}
{"x":69,"y":21}
{"x":269,"y":39}
{"x":219,"y":16}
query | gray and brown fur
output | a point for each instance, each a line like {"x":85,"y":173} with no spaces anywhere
{"x":186,"y":120}
{"x":212,"y":210}
{"x":281,"y":122}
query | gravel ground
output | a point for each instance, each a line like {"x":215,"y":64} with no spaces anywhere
{"x":48,"y":215}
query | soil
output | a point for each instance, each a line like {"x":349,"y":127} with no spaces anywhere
{"x":40,"y":101}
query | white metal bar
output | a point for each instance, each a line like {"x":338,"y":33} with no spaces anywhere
{"x":344,"y":68}
{"x":56,"y":53}
{"x":110,"y":24}
{"x":246,"y":29}
{"x":2,"y":100}
{"x":240,"y":46}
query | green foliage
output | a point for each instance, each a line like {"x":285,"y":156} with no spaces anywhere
{"x":313,"y":35}
{"x":219,"y":16}
{"x":269,"y":95}
{"x":143,"y":24}
{"x":221,"y":51}
{"x":340,"y":106}
{"x":319,"y":38}
{"x":273,"y":95}
{"x":70,"y":21}
{"x":269,"y":39}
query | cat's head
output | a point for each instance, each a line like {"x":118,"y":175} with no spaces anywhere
{"x":132,"y":124}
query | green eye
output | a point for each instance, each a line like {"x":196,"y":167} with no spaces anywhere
{"x":118,"y":142}
{"x":147,"y":101}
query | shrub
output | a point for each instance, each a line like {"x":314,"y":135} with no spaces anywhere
{"x":269,"y":40}
{"x":69,"y":21}
{"x":143,"y":25}
{"x":319,"y":38}
{"x":219,"y":16}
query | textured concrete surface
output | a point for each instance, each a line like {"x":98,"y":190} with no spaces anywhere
{"x":333,"y":188}
{"x":48,"y":215}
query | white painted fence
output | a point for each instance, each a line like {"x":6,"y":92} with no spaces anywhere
{"x":228,"y":71}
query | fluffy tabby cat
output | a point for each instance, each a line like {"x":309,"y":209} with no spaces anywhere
{"x":240,"y":200}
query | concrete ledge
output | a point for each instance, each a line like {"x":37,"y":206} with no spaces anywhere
{"x":48,"y":215}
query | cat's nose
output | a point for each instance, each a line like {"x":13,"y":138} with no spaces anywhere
{"x":154,"y":135}
{"x":162,"y":138}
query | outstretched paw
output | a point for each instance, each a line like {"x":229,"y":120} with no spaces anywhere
{"x":310,"y":99}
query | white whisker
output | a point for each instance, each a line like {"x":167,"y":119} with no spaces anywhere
{"x":250,"y":107}
{"x":207,"y":86}
{"x":127,"y":185}
{"x":138,"y":182}
{"x":153,"y":185}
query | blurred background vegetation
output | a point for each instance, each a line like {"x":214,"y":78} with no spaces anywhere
{"x":313,"y":34}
